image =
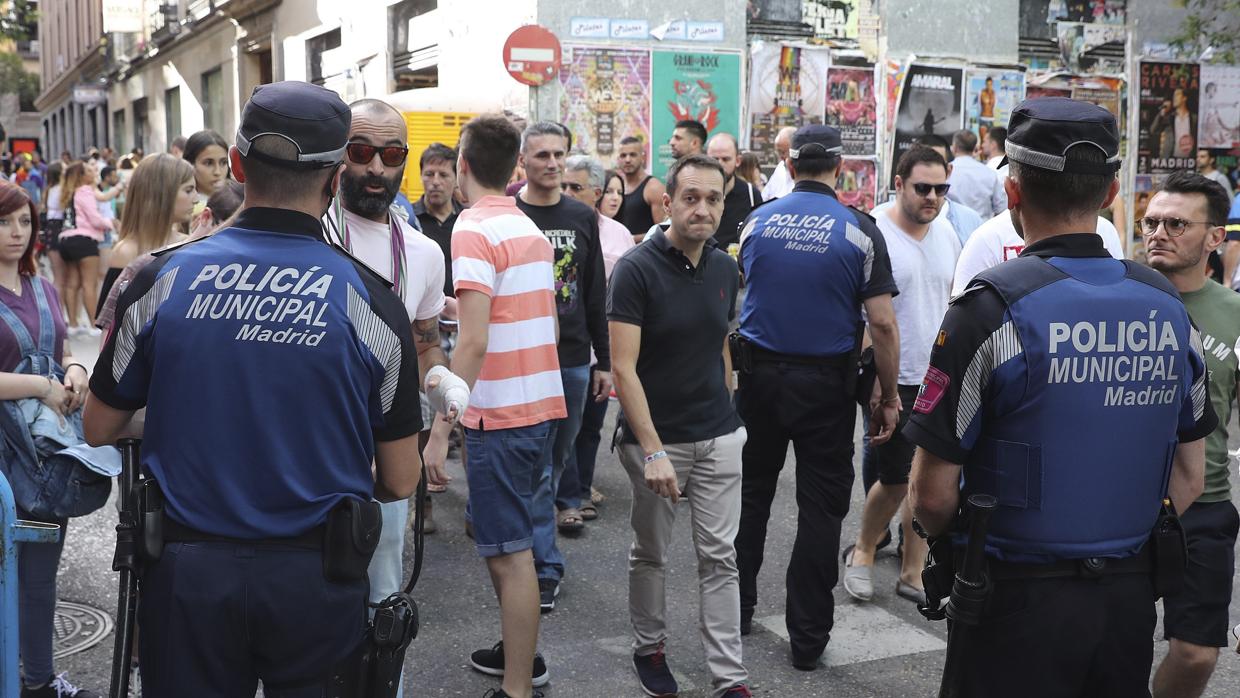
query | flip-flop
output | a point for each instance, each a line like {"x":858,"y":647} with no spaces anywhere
{"x":596,"y":497}
{"x":569,"y":520}
{"x":589,"y":512}
{"x":436,"y":489}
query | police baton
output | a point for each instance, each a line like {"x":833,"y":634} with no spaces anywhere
{"x":126,"y":562}
{"x":969,"y":592}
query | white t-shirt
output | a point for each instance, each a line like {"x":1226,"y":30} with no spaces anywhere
{"x":424,"y":273}
{"x":996,"y":241}
{"x":923,"y":273}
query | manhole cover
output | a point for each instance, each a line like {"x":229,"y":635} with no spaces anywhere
{"x":78,"y":627}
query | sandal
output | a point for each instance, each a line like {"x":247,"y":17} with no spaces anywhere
{"x":569,"y":520}
{"x":589,"y":512}
{"x":596,"y":497}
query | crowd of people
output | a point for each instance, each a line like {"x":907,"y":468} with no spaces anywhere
{"x":356,"y":337}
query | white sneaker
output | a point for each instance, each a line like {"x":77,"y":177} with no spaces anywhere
{"x":76,"y":331}
{"x":93,"y":332}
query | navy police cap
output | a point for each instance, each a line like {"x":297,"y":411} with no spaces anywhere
{"x":1042,"y":130}
{"x":313,"y":118}
{"x":815,"y":141}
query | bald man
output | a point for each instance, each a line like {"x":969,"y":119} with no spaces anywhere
{"x":780,"y":183}
{"x":363,"y":221}
{"x":739,"y":197}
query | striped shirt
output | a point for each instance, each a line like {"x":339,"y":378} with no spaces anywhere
{"x":499,"y":251}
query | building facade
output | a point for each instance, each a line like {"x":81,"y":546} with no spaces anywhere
{"x":72,"y":57}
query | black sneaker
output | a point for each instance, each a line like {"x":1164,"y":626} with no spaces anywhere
{"x":740,"y":690}
{"x":58,"y":687}
{"x":654,"y":676}
{"x":548,"y":590}
{"x":499,"y":693}
{"x":491,"y":663}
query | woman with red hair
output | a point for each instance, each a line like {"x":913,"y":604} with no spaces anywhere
{"x":32,"y":352}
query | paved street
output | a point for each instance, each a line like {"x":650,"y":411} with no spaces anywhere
{"x":879,"y":649}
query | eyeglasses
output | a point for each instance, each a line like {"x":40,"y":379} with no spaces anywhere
{"x":565,"y":186}
{"x":1175,"y":227}
{"x":923,"y":189}
{"x":390,"y":155}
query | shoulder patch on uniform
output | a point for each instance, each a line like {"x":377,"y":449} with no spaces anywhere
{"x":933,"y":388}
{"x":969,"y":290}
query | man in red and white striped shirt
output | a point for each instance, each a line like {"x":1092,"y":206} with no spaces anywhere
{"x":502,"y":270}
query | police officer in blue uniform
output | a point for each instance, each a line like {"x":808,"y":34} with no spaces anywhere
{"x":275,"y":370}
{"x":1071,"y":387}
{"x":811,"y":264}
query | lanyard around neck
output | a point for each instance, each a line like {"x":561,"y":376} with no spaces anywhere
{"x":396,"y":239}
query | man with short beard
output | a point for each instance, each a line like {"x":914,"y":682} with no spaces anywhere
{"x":923,"y":248}
{"x":362,"y":222}
{"x":1183,"y":224}
{"x":643,"y":198}
{"x":739,"y":197}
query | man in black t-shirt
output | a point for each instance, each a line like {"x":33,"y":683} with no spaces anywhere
{"x":580,"y":295}
{"x":436,"y":210}
{"x":740,"y":197}
{"x":669,"y":304}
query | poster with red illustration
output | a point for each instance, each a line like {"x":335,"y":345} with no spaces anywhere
{"x":697,"y":85}
{"x":852,"y":107}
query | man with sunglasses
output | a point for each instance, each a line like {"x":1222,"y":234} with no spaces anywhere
{"x":580,"y":295}
{"x":1183,"y":224}
{"x":1070,"y":389}
{"x":363,"y":221}
{"x":923,"y":247}
{"x":811,"y":264}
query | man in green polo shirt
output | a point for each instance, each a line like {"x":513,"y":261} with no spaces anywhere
{"x":1182,"y":226}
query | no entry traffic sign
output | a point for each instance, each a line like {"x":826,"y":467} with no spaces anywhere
{"x":532,"y":55}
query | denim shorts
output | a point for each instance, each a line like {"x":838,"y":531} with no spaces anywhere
{"x":504,"y":468}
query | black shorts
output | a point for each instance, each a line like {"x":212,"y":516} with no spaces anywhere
{"x":74,"y":248}
{"x":1198,"y":614}
{"x":893,"y":460}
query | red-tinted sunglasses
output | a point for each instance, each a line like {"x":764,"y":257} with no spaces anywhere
{"x":390,"y":156}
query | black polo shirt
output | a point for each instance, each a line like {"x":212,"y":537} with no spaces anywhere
{"x":441,"y":233}
{"x":737,"y":206}
{"x":684,"y":314}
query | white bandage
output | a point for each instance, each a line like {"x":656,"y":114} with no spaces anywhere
{"x":451,"y":393}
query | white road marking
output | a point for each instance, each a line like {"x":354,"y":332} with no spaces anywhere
{"x":865,"y":632}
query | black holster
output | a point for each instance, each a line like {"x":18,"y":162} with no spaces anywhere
{"x":937,"y":577}
{"x":349,"y":540}
{"x":1169,"y":547}
{"x":742,"y":353}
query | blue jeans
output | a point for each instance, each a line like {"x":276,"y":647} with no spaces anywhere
{"x":506,"y":469}
{"x":547,"y":557}
{"x":579,"y":471}
{"x":36,"y":589}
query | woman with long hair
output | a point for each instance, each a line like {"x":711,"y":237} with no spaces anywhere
{"x":207,"y":151}
{"x":84,"y":229}
{"x":749,"y":169}
{"x":32,"y":354}
{"x":161,"y":195}
{"x":55,"y":213}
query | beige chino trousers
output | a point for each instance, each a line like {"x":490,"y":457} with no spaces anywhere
{"x":709,"y":475}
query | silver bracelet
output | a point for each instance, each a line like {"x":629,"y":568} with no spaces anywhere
{"x":655,"y":456}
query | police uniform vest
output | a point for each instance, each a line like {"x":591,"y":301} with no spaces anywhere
{"x":1081,"y":454}
{"x":809,"y":261}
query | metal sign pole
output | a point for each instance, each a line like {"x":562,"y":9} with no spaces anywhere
{"x":12,"y":532}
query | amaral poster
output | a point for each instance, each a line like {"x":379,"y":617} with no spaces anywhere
{"x":852,"y":107}
{"x":787,"y":87}
{"x":694,"y":85}
{"x":605,"y":96}
{"x":931,"y":103}
{"x":992,"y":95}
{"x":1168,"y":119}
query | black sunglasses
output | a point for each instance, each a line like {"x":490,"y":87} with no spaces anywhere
{"x":389,"y":155}
{"x":923,"y":189}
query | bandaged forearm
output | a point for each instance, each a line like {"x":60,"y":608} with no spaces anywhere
{"x":451,"y":392}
